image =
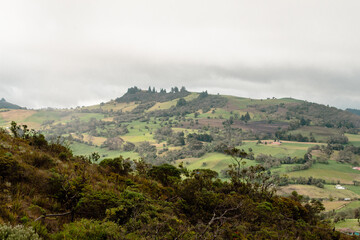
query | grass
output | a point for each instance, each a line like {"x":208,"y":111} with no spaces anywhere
{"x":355,"y":189}
{"x":331,"y":172}
{"x":293,"y":149}
{"x":329,"y":191}
{"x":42,"y":115}
{"x":140,"y":131}
{"x":351,"y":205}
{"x":169,"y":104}
{"x":115,"y":106}
{"x":18,"y":115}
{"x":243,"y":103}
{"x":333,"y":205}
{"x":354,"y":139}
{"x":83,"y":149}
{"x":348,"y":223}
{"x":213,"y":161}
{"x":319,"y":133}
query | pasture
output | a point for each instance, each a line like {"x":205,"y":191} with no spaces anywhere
{"x":348,"y":223}
{"x":354,"y":139}
{"x":286,"y":148}
{"x":320,"y":133}
{"x":332,"y":172}
{"x":329,"y":191}
{"x":213,"y":161}
{"x":86,"y":150}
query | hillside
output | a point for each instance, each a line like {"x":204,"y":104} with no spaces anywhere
{"x":354,"y":111}
{"x":6,"y":105}
{"x":56,"y":195}
{"x":315,"y":146}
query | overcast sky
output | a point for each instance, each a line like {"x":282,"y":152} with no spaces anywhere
{"x":64,"y":53}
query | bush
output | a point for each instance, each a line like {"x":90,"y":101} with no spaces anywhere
{"x":18,"y":232}
{"x":117,"y":165}
{"x":165,"y":173}
{"x":41,"y":160}
{"x":90,"y":230}
{"x":94,"y":204}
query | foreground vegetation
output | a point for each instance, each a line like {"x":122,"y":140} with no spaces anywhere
{"x":55,"y":195}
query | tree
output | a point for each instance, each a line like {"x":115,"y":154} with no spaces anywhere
{"x":166,"y":174}
{"x":357,"y":215}
{"x":181,"y":102}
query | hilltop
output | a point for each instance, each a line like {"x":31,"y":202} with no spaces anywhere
{"x":6,"y":105}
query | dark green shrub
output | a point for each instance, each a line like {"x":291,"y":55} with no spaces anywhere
{"x":117,"y":165}
{"x":94,"y":204}
{"x":90,"y":230}
{"x":165,"y":173}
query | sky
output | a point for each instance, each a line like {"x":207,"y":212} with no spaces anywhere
{"x":68,"y":53}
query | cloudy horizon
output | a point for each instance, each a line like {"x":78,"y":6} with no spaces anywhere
{"x":64,"y":53}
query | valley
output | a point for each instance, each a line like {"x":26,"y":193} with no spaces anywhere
{"x":311,"y":146}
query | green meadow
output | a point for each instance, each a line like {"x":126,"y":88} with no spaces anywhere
{"x":348,"y":223}
{"x":86,"y":150}
{"x":319,"y":133}
{"x":332,"y":172}
{"x":354,"y":139}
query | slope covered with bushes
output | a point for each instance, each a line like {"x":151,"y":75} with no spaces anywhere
{"x":60,"y":196}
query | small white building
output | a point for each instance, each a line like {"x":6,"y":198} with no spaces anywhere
{"x":339,"y":187}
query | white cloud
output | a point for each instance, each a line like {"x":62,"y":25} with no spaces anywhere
{"x":68,"y":53}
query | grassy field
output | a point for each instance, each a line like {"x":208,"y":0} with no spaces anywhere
{"x":319,"y":133}
{"x":214,"y":161}
{"x":354,"y":139}
{"x":19,"y":116}
{"x":333,"y":171}
{"x":348,"y":223}
{"x":83,"y":149}
{"x":334,"y":205}
{"x":329,"y":191}
{"x":140,"y":132}
{"x":169,"y":104}
{"x":351,"y":205}
{"x":115,"y":106}
{"x":293,"y":149}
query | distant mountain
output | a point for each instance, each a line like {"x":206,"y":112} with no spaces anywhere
{"x":7,"y":105}
{"x":354,"y":111}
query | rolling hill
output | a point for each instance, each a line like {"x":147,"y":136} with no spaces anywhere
{"x":313,"y":145}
